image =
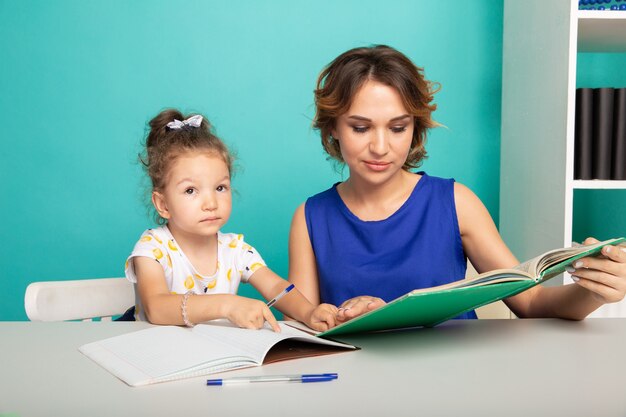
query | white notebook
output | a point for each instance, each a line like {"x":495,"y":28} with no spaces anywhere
{"x":166,"y":353}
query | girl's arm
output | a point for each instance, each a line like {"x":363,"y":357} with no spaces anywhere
{"x":162,"y":307}
{"x":294,"y":304}
{"x":602,"y":280}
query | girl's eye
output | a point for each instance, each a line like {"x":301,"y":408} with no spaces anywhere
{"x":221,"y":188}
{"x":189,"y":191}
{"x":360,"y":129}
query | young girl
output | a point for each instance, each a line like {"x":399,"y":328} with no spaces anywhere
{"x":386,"y":230}
{"x":187,"y":271}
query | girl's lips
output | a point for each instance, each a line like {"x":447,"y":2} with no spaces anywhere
{"x":377,"y":165}
{"x":210,"y":219}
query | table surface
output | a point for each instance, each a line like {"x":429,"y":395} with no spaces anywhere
{"x":468,"y":367}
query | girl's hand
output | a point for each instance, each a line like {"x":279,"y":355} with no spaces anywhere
{"x":322,"y":317}
{"x":356,"y":306}
{"x":605,"y":276}
{"x":249,"y":313}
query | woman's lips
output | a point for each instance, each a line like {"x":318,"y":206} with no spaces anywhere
{"x":377,"y":165}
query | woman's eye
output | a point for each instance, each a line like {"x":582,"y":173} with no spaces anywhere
{"x":359,"y":129}
{"x":398,"y":129}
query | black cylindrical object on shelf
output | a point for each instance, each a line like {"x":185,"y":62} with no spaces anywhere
{"x":602,"y":132}
{"x":618,"y":169}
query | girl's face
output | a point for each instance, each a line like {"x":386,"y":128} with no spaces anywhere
{"x":375,"y":133}
{"x":197,"y":199}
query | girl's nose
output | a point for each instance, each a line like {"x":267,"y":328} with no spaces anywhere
{"x":209,"y":202}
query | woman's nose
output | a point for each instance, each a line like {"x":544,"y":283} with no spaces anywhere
{"x":379,"y":145}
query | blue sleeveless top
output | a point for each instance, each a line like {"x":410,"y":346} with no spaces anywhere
{"x":418,"y":246}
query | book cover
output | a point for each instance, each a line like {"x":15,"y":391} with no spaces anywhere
{"x":583,"y":146}
{"x":431,"y":306}
{"x":602,"y":132}
{"x":618,"y":168}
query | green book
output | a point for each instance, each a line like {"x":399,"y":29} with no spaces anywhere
{"x":431,"y":306}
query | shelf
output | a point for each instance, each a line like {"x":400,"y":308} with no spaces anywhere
{"x":601,"y":31}
{"x":599,"y":185}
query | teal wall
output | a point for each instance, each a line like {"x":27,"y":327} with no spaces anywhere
{"x":600,"y":213}
{"x":79,"y":80}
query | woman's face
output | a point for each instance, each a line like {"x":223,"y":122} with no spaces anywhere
{"x":375,"y":133}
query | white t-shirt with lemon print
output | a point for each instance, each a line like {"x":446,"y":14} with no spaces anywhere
{"x":236,"y":262}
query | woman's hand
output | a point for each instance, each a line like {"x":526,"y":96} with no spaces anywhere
{"x":356,"y":306}
{"x":322,"y":317}
{"x":603,"y":276}
{"x":249,"y":313}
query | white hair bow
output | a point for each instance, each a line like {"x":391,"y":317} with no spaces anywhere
{"x":193,"y":121}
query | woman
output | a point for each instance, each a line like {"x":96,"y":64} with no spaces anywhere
{"x":386,"y":230}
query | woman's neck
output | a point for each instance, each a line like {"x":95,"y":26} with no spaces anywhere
{"x":370,"y":202}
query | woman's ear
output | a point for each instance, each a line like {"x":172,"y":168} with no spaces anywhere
{"x":158,"y":201}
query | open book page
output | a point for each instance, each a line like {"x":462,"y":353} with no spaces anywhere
{"x":536,"y":266}
{"x":301,"y":326}
{"x":555,"y":257}
{"x":164,"y":353}
{"x":486,"y":278}
{"x":160,"y":352}
{"x":256,"y":343}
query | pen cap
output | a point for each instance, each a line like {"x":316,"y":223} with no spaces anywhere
{"x":214,"y":382}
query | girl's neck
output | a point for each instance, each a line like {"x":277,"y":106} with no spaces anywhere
{"x":371,"y":202}
{"x":200,"y":250}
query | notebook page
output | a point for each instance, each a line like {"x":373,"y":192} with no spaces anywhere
{"x":157,"y":352}
{"x":256,"y":343}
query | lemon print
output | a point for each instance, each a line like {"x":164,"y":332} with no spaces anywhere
{"x":169,"y":260}
{"x":228,"y":274}
{"x":233,"y":243}
{"x":173,"y":292}
{"x":246,"y":247}
{"x":126,"y":265}
{"x":157,"y":253}
{"x":189,"y":282}
{"x":145,"y":239}
{"x":256,"y":266}
{"x":157,"y":239}
{"x":212,"y":284}
{"x":239,"y":236}
{"x":218,"y":265}
{"x":172,"y":245}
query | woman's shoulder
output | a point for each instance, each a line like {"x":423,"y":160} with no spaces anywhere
{"x":434,"y":180}
{"x":326,"y":199}
{"x":324,"y":195}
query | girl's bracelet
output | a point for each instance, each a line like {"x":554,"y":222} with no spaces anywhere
{"x":183,"y":308}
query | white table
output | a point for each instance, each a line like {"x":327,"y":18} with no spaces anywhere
{"x":461,"y":368}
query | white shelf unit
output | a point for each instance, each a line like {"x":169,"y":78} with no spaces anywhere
{"x":540,"y":42}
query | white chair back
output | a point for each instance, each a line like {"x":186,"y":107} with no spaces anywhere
{"x":84,"y":299}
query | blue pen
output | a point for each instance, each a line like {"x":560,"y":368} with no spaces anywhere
{"x":281,"y":295}
{"x":303,"y":378}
